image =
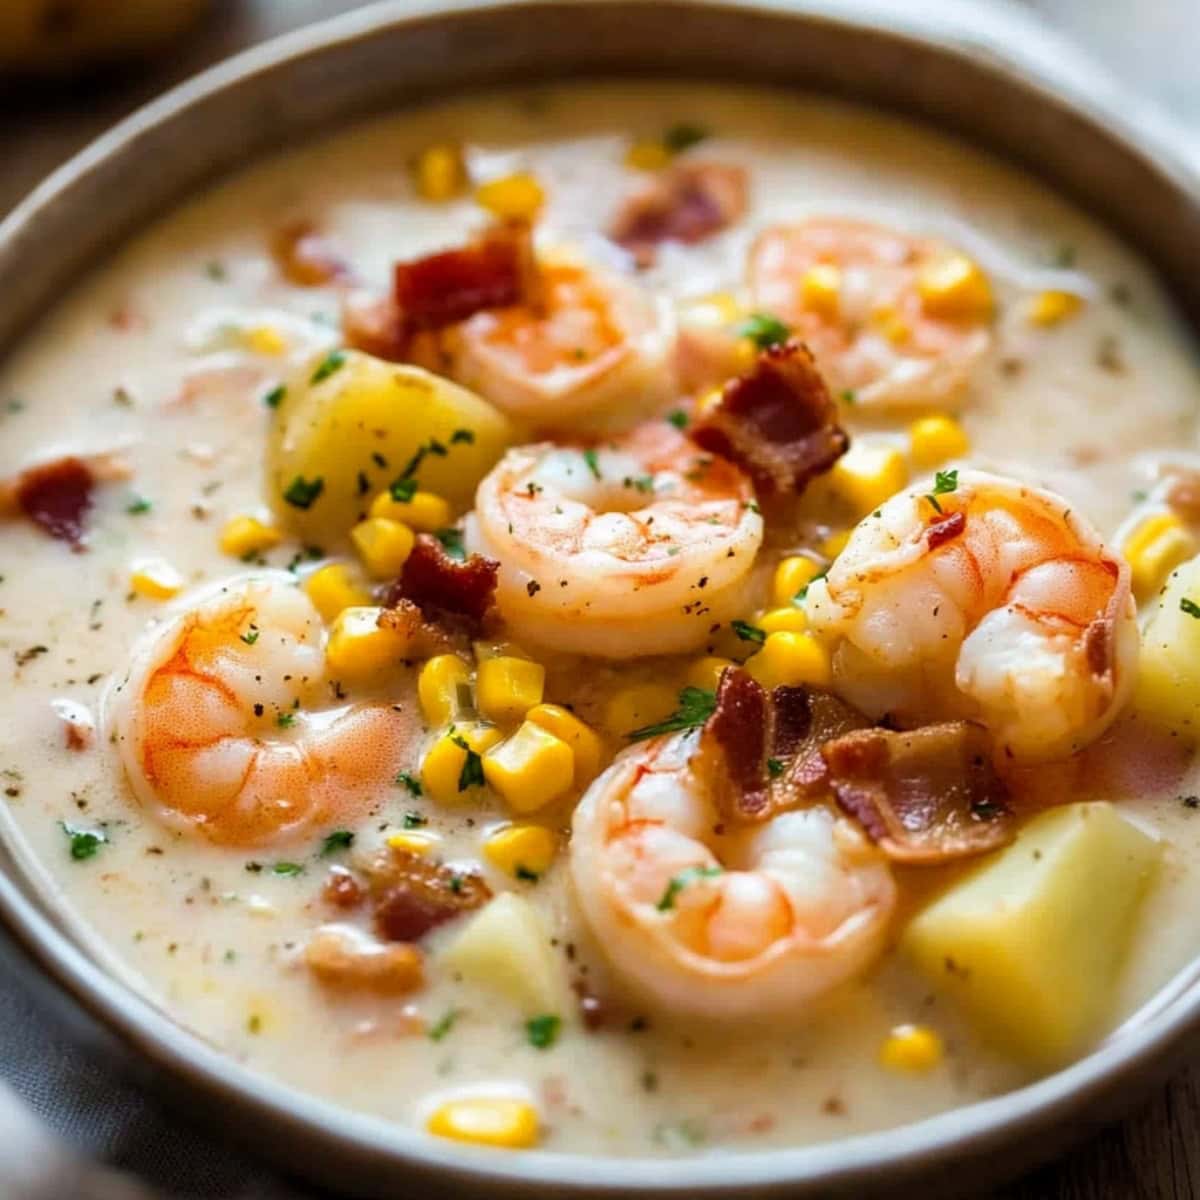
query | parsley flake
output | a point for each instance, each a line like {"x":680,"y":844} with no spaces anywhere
{"x":678,"y":882}
{"x":287,"y":869}
{"x":274,"y":398}
{"x":251,"y":635}
{"x":764,"y":330}
{"x":402,"y":490}
{"x":408,"y":780}
{"x":339,"y":839}
{"x":443,"y":1025}
{"x":774,"y":768}
{"x":593,"y":461}
{"x":1190,"y":607}
{"x":332,"y":362}
{"x":414,"y":820}
{"x":462,"y":435}
{"x":302,"y":493}
{"x":285,"y":720}
{"x":748,"y":632}
{"x":471,"y":774}
{"x":542,"y":1031}
{"x":138,"y":505}
{"x":683,"y":135}
{"x":696,"y":705}
{"x":83,"y":842}
{"x":678,"y":418}
{"x":943,"y":482}
{"x":452,"y":543}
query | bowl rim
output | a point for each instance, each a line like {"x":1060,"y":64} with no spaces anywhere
{"x":936,"y":1142}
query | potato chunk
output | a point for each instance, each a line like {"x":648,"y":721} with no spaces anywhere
{"x":1168,"y":688}
{"x":1031,"y":942}
{"x":348,"y":425}
{"x":506,"y":948}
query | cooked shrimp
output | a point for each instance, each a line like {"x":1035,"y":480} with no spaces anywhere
{"x":750,"y":923}
{"x":995,"y":601}
{"x":212,"y":732}
{"x":639,"y":545}
{"x":853,"y":292}
{"x":595,"y":354}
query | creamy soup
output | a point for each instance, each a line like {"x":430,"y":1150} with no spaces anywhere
{"x":311,"y":732}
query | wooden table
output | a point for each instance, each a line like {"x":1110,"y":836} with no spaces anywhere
{"x":1155,"y":1154}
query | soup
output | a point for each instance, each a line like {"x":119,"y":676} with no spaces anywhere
{"x":603,"y":618}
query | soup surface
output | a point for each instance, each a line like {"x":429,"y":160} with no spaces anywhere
{"x":304,"y":764}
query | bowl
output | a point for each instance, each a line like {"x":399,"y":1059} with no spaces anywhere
{"x":983,"y":80}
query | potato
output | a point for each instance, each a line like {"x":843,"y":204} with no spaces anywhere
{"x":1168,"y":687}
{"x":506,"y":948}
{"x":349,"y":424}
{"x":1031,"y":942}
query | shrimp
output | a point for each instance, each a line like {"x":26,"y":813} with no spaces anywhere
{"x":595,"y":353}
{"x":636,"y":546}
{"x":754,"y":922}
{"x":211,"y":733}
{"x":866,"y":321}
{"x":994,"y":601}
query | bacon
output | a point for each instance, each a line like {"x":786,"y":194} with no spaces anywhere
{"x":372,"y":324}
{"x":57,"y":496}
{"x":778,"y":422}
{"x":441,"y":586}
{"x":927,"y":796}
{"x":688,"y":203}
{"x":341,"y":958}
{"x":341,"y":889}
{"x":413,"y":895}
{"x":424,"y":637}
{"x":945,"y":530}
{"x":305,"y":257}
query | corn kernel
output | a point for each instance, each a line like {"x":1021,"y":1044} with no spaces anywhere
{"x":892,"y":325}
{"x":788,"y":619}
{"x":331,"y":590}
{"x":155,"y":578}
{"x":792,"y":574}
{"x":413,"y":842}
{"x":1155,"y":548}
{"x":706,"y":672}
{"x":531,"y":768}
{"x":266,"y":339}
{"x":583,"y":740}
{"x":718,"y":310}
{"x":835,"y":543}
{"x":425,"y":512}
{"x":513,"y":198}
{"x":933,"y":440}
{"x":438,"y":687}
{"x":745,"y":355}
{"x":911,"y":1048}
{"x":820,"y":290}
{"x":383,"y":545}
{"x":248,"y":535}
{"x":1051,"y":307}
{"x":359,"y":647}
{"x":440,"y":172}
{"x":521,"y":850}
{"x":866,"y":475}
{"x":954,"y":287}
{"x":642,"y":704}
{"x":647,"y":155}
{"x":709,"y":401}
{"x":507,"y":688}
{"x":442,"y":771}
{"x":790,"y":660}
{"x":498,"y":1121}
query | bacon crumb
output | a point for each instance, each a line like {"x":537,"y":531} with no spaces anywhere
{"x":413,"y":895}
{"x":440,"y":585}
{"x":341,"y":889}
{"x":57,"y":497}
{"x":945,"y":530}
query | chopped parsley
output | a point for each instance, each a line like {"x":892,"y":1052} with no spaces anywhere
{"x":525,"y":875}
{"x":471,"y":774}
{"x":774,"y":768}
{"x":414,"y":820}
{"x":542,"y":1031}
{"x":678,"y":882}
{"x":642,"y":483}
{"x":332,"y":362}
{"x":83,"y":842}
{"x":696,"y":705}
{"x":462,"y":435}
{"x":251,"y":635}
{"x":138,"y":505}
{"x":274,"y":398}
{"x":443,"y":1025}
{"x":285,"y":720}
{"x":287,"y":869}
{"x":748,"y":632}
{"x":215,"y":271}
{"x":943,"y":482}
{"x":302,"y":493}
{"x":802,"y":594}
{"x":678,"y":418}
{"x":593,"y":461}
{"x":683,"y":135}
{"x":402,"y":490}
{"x":408,"y":780}
{"x":1190,"y":607}
{"x":339,"y":839}
{"x":848,"y":396}
{"x":764,"y":330}
{"x":452,"y":543}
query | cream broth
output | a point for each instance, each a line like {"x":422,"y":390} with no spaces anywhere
{"x":149,"y":356}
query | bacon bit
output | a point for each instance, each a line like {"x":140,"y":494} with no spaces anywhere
{"x":79,"y":726}
{"x":437,"y":584}
{"x":56,"y":496}
{"x":688,"y":203}
{"x":778,"y":421}
{"x":342,"y":958}
{"x":341,"y":889}
{"x":413,"y":895}
{"x":425,"y":638}
{"x":927,"y":796}
{"x":306,"y":258}
{"x":945,"y":530}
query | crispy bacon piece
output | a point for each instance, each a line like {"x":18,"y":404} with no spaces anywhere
{"x":342,"y":958}
{"x":307,"y":258}
{"x":57,"y":496}
{"x":927,"y":796}
{"x":412,"y":894}
{"x":440,"y":585}
{"x":687,"y":203}
{"x":341,"y":889}
{"x":425,"y":637}
{"x":372,"y":324}
{"x":778,"y":421}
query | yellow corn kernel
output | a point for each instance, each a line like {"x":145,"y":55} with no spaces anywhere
{"x":793,"y":573}
{"x":513,"y":198}
{"x":1155,"y":548}
{"x":531,"y":768}
{"x":383,"y":545}
{"x":820,"y":290}
{"x":933,"y":440}
{"x":248,"y":535}
{"x":413,"y":842}
{"x":266,"y":339}
{"x":718,"y":310}
{"x":439,"y":684}
{"x":425,"y":512}
{"x":892,"y":325}
{"x":507,"y":688}
{"x":647,"y":155}
{"x":788,"y":619}
{"x":954,"y":287}
{"x":712,"y":397}
{"x":155,"y":579}
{"x":835,"y":543}
{"x":1051,"y":307}
{"x":331,"y":589}
{"x":583,"y":740}
{"x":642,"y":704}
{"x":359,"y":647}
{"x":499,"y":1121}
{"x":706,"y":672}
{"x":442,"y":771}
{"x":521,"y":850}
{"x":440,"y":172}
{"x":745,"y":354}
{"x":911,"y":1049}
{"x":866,"y":475}
{"x":789,"y":660}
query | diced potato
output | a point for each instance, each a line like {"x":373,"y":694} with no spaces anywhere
{"x":1168,"y":686}
{"x":350,"y":424}
{"x":506,"y":947}
{"x":1031,"y":943}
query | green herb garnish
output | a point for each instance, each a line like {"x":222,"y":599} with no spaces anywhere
{"x":251,"y":635}
{"x":685,"y":877}
{"x":774,"y":768}
{"x":764,"y":330}
{"x":402,"y":490}
{"x":414,"y":820}
{"x":542,"y":1031}
{"x":138,"y":505}
{"x":1190,"y":607}
{"x":462,"y":435}
{"x":274,"y":398}
{"x":696,"y":705}
{"x":444,"y":1024}
{"x":287,"y":869}
{"x":452,"y":543}
{"x":683,"y":135}
{"x":339,"y":839}
{"x":409,"y":780}
{"x":302,"y":493}
{"x":748,"y":632}
{"x":943,"y":482}
{"x":84,"y":842}
{"x":471,"y":774}
{"x":333,"y":361}
{"x":285,"y":720}
{"x":593,"y":461}
{"x":678,"y":418}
